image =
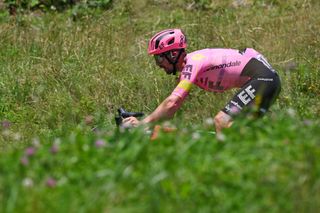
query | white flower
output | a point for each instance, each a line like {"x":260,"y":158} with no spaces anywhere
{"x":209,"y":121}
{"x":196,"y":135}
{"x":57,"y":141}
{"x":36,"y":142}
{"x":221,"y":137}
{"x":6,"y":133}
{"x":27,"y":182}
{"x":16,"y":136}
{"x":291,"y":112}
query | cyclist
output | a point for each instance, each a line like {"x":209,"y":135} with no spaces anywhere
{"x":214,"y":70}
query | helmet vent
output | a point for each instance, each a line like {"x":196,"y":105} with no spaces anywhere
{"x":171,"y":41}
{"x":157,"y":43}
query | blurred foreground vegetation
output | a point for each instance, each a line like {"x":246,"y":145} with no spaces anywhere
{"x":268,"y":165}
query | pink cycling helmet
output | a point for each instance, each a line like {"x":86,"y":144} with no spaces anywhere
{"x":167,"y":40}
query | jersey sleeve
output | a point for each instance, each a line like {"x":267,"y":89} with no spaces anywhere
{"x":182,"y":89}
{"x":189,"y":74}
{"x":187,"y":78}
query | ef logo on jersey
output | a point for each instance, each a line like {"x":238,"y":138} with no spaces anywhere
{"x":247,"y":95}
{"x":187,"y":71}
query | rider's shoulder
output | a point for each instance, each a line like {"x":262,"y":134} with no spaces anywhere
{"x":198,"y":55}
{"x":210,"y":51}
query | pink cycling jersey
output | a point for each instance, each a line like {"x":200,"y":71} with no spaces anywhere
{"x":214,"y":70}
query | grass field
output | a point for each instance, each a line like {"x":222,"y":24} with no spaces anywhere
{"x":65,"y":74}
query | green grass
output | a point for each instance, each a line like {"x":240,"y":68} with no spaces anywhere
{"x":57,"y":70}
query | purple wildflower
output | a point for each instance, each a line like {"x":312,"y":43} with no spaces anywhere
{"x":30,"y":151}
{"x":5,"y":124}
{"x":54,"y":148}
{"x":51,"y":182}
{"x":234,"y":110}
{"x":307,"y":122}
{"x":24,"y":160}
{"x":100,"y":143}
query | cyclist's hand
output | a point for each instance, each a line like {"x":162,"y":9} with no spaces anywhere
{"x":130,"y":122}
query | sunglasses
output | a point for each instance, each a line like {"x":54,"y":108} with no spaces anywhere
{"x":159,"y":58}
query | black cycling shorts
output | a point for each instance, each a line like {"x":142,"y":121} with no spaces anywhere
{"x":257,"y":94}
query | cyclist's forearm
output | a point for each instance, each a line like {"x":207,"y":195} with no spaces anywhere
{"x":165,"y":110}
{"x":160,"y":113}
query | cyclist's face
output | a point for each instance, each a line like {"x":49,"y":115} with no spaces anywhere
{"x":162,"y":61}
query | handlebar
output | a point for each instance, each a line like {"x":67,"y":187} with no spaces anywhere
{"x":122,"y":113}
